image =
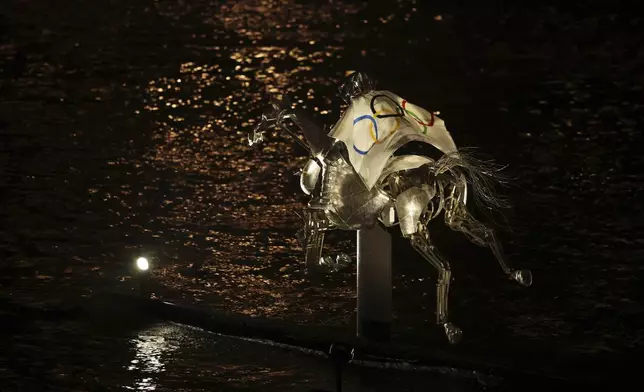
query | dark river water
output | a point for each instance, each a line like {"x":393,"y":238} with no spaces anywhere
{"x":123,"y":133}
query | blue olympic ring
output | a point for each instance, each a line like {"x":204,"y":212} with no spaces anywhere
{"x":375,"y":127}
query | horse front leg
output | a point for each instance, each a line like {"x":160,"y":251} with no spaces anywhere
{"x":311,"y":238}
{"x":420,"y":241}
{"x":460,"y":219}
{"x":314,"y":250}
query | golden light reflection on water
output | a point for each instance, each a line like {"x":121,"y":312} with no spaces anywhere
{"x":256,"y":19}
{"x":213,"y":142}
{"x":234,"y":203}
{"x":202,"y":116}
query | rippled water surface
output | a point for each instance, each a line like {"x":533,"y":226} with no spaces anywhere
{"x":138,"y":355}
{"x":123,"y":128}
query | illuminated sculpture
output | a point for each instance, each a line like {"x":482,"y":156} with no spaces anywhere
{"x":356,"y":181}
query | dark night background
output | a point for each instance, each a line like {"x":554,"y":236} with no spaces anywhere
{"x":123,"y":133}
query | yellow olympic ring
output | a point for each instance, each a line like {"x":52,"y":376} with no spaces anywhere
{"x":373,"y":134}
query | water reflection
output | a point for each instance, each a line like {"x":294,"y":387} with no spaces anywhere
{"x":152,"y":347}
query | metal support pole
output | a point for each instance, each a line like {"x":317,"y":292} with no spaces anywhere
{"x":374,"y":284}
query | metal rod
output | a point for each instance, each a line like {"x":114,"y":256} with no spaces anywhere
{"x":374,"y":284}
{"x":294,"y":135}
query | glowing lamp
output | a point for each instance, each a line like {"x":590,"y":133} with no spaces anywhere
{"x":142,"y":264}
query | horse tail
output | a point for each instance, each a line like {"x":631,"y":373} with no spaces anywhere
{"x":484,"y":178}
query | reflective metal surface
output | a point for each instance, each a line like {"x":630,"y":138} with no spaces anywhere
{"x":309,"y":177}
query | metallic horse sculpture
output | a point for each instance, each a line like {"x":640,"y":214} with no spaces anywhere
{"x":356,"y":182}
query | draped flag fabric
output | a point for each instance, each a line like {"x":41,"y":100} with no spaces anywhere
{"x":378,"y":123}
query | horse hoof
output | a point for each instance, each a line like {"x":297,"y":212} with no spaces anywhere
{"x":523,"y":277}
{"x":453,"y":333}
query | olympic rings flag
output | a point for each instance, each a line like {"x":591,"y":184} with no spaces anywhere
{"x":378,"y":123}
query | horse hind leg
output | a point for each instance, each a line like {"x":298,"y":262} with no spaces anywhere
{"x":478,"y":233}
{"x":420,"y":242}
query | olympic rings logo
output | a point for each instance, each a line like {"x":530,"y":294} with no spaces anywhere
{"x":418,"y":120}
{"x":399,"y":112}
{"x":373,"y":129}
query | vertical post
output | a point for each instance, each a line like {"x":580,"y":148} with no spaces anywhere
{"x":374,"y":284}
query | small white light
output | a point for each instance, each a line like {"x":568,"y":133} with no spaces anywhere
{"x":142,"y":264}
